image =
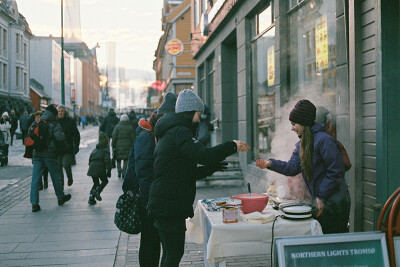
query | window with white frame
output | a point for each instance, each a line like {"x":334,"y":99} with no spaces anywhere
{"x":25,"y":81}
{"x":17,"y":40}
{"x":4,"y":39}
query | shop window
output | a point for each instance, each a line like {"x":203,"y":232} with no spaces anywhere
{"x":313,"y":51}
{"x":263,"y":85}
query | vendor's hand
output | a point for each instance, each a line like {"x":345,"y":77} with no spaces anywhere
{"x":262,"y":164}
{"x":241,"y":146}
{"x":320,"y":206}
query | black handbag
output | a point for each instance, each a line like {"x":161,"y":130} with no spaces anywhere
{"x":127,"y":217}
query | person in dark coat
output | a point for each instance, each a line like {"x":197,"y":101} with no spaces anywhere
{"x":122,"y":139}
{"x":177,"y":155}
{"x":73,"y":138}
{"x":109,"y":123}
{"x":133,"y":120}
{"x":14,"y":125}
{"x":318,"y":158}
{"x":99,"y":168}
{"x":24,"y":124}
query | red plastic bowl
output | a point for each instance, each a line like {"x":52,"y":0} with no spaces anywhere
{"x":257,"y":202}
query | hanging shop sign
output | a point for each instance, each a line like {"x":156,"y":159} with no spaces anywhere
{"x":159,"y":85}
{"x":174,"y":47}
{"x":321,"y":43}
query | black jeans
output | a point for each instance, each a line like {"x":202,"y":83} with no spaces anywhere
{"x":96,"y":183}
{"x":149,"y":251}
{"x":172,"y":236}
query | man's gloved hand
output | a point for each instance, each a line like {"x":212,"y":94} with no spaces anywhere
{"x":220,"y":166}
{"x":109,"y":173}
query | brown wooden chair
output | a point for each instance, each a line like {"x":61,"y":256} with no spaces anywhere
{"x":389,"y":222}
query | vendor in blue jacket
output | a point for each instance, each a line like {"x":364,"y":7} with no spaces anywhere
{"x":318,"y":157}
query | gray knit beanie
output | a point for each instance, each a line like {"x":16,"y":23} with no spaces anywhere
{"x":188,"y":101}
{"x":168,"y":105}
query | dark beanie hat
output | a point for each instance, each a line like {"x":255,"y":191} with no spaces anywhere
{"x":52,"y":109}
{"x":103,"y":137}
{"x":303,"y":113}
{"x":168,"y":105}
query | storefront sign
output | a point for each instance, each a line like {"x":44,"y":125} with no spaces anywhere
{"x":174,"y":47}
{"x":363,"y":249}
{"x":271,"y":66}
{"x":321,"y":43}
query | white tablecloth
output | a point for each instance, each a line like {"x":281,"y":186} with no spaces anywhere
{"x":240,"y":239}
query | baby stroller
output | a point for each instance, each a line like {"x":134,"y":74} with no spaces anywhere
{"x":3,"y":148}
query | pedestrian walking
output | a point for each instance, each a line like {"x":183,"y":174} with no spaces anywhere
{"x":133,"y":120}
{"x":318,"y":158}
{"x":24,"y":124}
{"x":109,"y":123}
{"x":122,"y":139}
{"x":140,"y":172}
{"x":14,"y":125}
{"x":99,"y":168}
{"x":177,"y":155}
{"x":72,"y":137}
{"x":47,"y":158}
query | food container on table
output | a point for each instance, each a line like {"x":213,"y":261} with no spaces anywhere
{"x":253,"y":202}
{"x":231,"y":212}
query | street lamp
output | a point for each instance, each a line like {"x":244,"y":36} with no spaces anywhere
{"x":62,"y":55}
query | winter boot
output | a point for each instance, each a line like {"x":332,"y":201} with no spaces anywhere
{"x":96,"y":193}
{"x":91,"y":201}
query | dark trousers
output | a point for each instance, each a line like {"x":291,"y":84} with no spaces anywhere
{"x":96,"y":183}
{"x":12,"y":132}
{"x":172,"y":236}
{"x":335,"y":215}
{"x":24,"y":133}
{"x":149,"y":251}
{"x":65,"y":162}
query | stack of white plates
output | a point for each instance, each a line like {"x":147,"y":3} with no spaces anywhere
{"x":296,"y":212}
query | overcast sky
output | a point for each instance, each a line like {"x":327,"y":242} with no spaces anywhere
{"x":135,"y":26}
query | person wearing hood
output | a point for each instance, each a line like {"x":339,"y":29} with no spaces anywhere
{"x":47,"y":158}
{"x":122,"y":138}
{"x":176,"y":170}
{"x":72,"y":137}
{"x":5,"y":128}
{"x":99,"y":168}
{"x":318,"y":158}
{"x":140,"y":174}
{"x":109,"y":123}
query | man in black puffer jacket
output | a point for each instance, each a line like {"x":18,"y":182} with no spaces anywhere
{"x":177,"y":154}
{"x":73,"y":138}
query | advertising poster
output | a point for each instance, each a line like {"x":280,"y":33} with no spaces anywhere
{"x":271,"y":66}
{"x":321,"y":43}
